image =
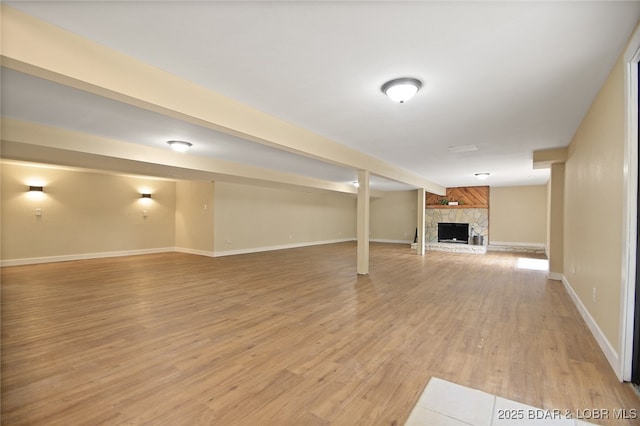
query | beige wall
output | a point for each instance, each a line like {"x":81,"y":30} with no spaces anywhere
{"x":394,"y":216}
{"x":555,"y":220}
{"x":194,"y":216}
{"x":254,"y":217}
{"x":593,"y":206}
{"x":82,"y":213}
{"x":518,"y":214}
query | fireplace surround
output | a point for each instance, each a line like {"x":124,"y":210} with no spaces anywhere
{"x":477,"y":218}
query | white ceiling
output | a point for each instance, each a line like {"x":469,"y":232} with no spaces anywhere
{"x":508,"y":77}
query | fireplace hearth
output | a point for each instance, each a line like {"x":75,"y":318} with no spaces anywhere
{"x":457,"y":233}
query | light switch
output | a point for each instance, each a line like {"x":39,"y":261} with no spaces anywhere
{"x":144,"y":213}
{"x":38,"y":212}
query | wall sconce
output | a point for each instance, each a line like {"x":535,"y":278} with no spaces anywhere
{"x":33,"y":188}
{"x":146,"y":195}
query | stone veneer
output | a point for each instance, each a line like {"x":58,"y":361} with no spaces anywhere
{"x":478,"y":220}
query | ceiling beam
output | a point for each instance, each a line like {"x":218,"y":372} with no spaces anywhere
{"x":37,"y":48}
{"x":544,"y":158}
{"x":24,"y":141}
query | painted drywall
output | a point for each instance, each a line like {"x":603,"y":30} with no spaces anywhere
{"x":394,"y":216}
{"x":82,"y":213}
{"x":555,"y":220}
{"x":252,"y":218}
{"x":518,"y":214}
{"x":194,"y":216}
{"x":593,"y":207}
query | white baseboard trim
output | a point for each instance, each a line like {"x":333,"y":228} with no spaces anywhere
{"x":609,"y":351}
{"x":555,"y":276}
{"x":83,"y":256}
{"x":278,"y":247}
{"x":516,"y":244}
{"x":381,"y":240}
{"x":194,"y":251}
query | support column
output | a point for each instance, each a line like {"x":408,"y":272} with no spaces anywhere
{"x":363,"y":222}
{"x":421,"y":218}
{"x":555,"y":238}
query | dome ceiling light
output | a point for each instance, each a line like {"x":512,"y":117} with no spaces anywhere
{"x":180,"y":146}
{"x":401,"y":89}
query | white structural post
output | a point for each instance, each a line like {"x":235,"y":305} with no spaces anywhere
{"x":421,"y":219}
{"x":363,"y":222}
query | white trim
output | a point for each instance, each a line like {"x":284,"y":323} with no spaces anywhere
{"x":83,"y":256}
{"x":606,"y":347}
{"x":194,"y":251}
{"x":279,"y":247}
{"x":556,"y":276}
{"x":502,"y":243}
{"x":629,"y":208}
{"x":382,"y":240}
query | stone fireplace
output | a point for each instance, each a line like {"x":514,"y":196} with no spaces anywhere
{"x":477,"y":220}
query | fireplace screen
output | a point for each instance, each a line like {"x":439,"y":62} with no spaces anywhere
{"x":453,"y":233}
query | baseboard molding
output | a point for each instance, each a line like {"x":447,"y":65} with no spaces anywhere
{"x":83,"y":256}
{"x":555,"y":276}
{"x":194,"y":251}
{"x":278,"y":247}
{"x":381,"y":240}
{"x":517,"y":244}
{"x":86,"y":256}
{"x":517,"y":247}
{"x":609,"y":351}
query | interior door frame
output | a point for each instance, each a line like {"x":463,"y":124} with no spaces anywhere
{"x":630,"y":209}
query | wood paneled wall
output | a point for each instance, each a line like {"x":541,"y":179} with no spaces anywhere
{"x":467,"y":196}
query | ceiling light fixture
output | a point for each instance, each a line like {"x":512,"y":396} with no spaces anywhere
{"x":180,"y":146}
{"x":462,"y":148}
{"x":356,"y":183}
{"x":482,"y":176}
{"x":401,"y":89}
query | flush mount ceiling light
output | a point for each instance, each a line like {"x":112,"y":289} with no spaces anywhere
{"x":482,"y":176}
{"x":462,"y":148}
{"x":401,"y":89}
{"x":180,"y":146}
{"x":356,"y":183}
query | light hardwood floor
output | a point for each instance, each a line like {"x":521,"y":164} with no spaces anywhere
{"x":291,"y":337}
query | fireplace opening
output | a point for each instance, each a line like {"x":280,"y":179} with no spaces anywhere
{"x":453,"y":233}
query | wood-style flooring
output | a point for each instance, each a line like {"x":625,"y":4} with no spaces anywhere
{"x":290,"y":337}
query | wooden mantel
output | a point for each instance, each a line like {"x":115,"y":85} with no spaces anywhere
{"x":469,"y":197}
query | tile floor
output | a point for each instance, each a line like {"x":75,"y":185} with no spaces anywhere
{"x":444,"y":403}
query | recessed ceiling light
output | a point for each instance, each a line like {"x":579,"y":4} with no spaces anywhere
{"x":401,"y":89}
{"x":356,"y":183}
{"x":463,"y":148}
{"x":482,"y":176}
{"x":180,"y":146}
